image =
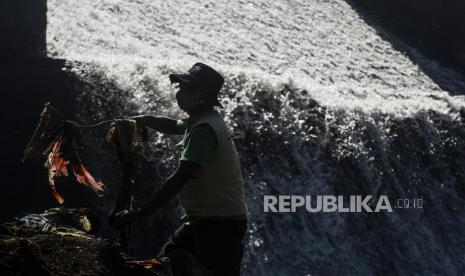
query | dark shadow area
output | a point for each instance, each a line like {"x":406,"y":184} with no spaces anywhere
{"x":28,"y":79}
{"x":23,"y":25}
{"x":25,"y":87}
{"x":436,"y":29}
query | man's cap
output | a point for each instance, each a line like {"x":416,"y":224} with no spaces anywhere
{"x":203,"y":77}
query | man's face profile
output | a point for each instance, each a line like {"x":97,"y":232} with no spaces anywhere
{"x":187,"y":97}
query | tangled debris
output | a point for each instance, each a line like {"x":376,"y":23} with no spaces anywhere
{"x":127,"y":136}
{"x":58,"y":140}
{"x":64,"y":247}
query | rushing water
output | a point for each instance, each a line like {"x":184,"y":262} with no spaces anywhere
{"x":319,"y":104}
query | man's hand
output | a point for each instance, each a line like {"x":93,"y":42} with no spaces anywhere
{"x":171,"y":188}
{"x":125,"y":217}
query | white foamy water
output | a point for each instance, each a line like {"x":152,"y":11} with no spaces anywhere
{"x":323,"y":46}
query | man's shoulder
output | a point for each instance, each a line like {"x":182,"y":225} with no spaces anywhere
{"x":202,"y":129}
{"x":213,"y":118}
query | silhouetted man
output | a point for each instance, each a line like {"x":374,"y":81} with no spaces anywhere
{"x":208,"y":178}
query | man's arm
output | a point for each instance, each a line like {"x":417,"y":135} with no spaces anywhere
{"x":171,"y":188}
{"x":161,"y":124}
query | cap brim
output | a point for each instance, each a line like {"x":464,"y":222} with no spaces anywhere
{"x":180,"y":78}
